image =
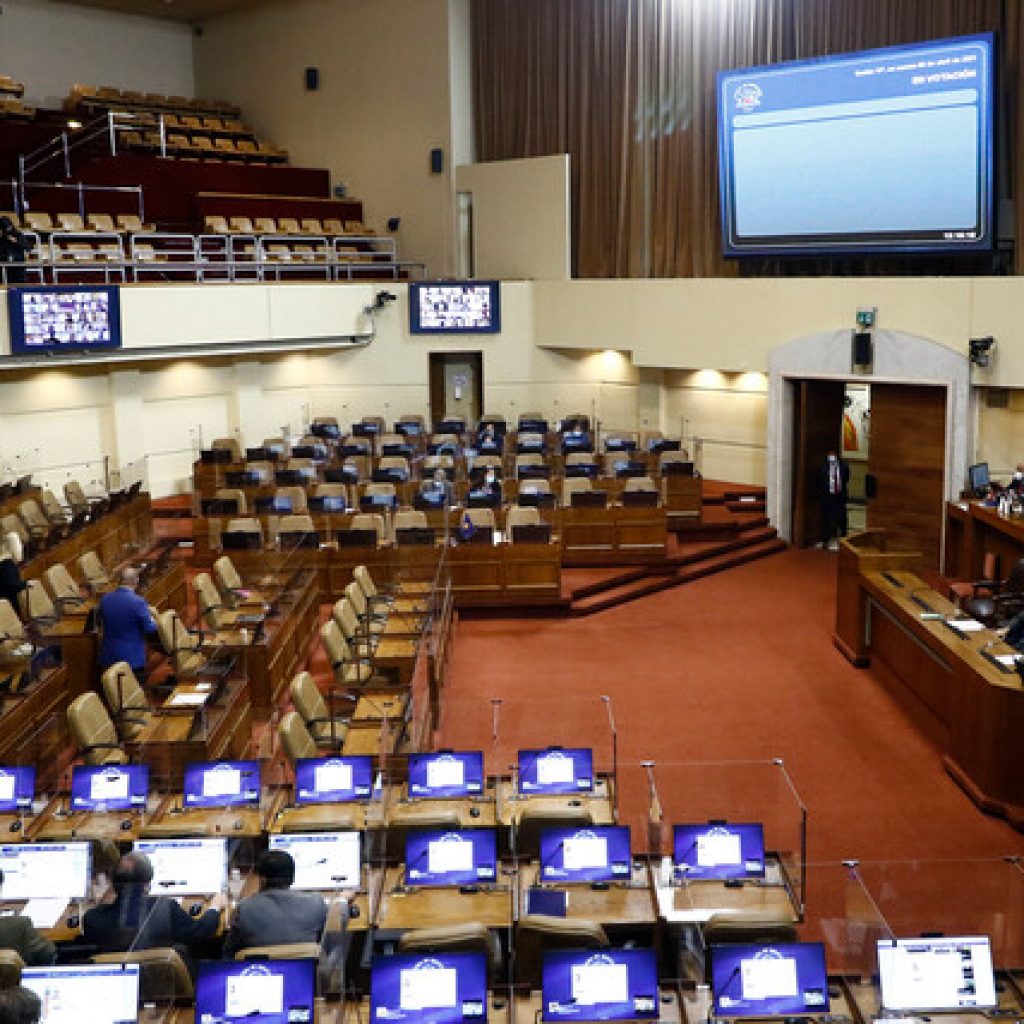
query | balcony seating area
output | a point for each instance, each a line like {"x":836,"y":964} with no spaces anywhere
{"x":98,"y":99}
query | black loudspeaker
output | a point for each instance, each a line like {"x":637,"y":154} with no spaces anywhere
{"x":312,"y":79}
{"x":436,"y":161}
{"x":863,"y":348}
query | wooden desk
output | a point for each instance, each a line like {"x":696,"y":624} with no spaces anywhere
{"x":528,"y":1007}
{"x":404,"y":909}
{"x":363,"y":816}
{"x":696,"y":1006}
{"x":67,"y":928}
{"x":478,"y":813}
{"x":34,"y":729}
{"x":866,"y":998}
{"x":374,"y":738}
{"x":619,"y":904}
{"x":970,"y":708}
{"x":14,"y":828}
{"x":698,"y":902}
{"x":613,"y":536}
{"x":598,"y":802}
{"x":974,"y":530}
{"x":58,"y":824}
{"x":170,"y":819}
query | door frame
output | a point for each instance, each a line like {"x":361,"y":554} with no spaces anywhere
{"x":436,"y":363}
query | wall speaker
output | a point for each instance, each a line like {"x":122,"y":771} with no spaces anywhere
{"x":312,"y":79}
{"x":436,"y":161}
{"x":863,"y":349}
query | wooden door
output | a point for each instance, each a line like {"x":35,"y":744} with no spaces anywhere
{"x":818,"y":424}
{"x":906,"y":466}
{"x":456,"y":385}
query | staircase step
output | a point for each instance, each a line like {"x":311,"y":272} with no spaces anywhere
{"x":612,"y":583}
{"x":744,"y":538}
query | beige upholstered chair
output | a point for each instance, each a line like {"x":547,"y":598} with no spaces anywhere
{"x":469,"y":937}
{"x":326,"y":729}
{"x":179,"y":643}
{"x":210,"y":605}
{"x":347,"y":669}
{"x":126,"y":699}
{"x":574,"y":485}
{"x":537,"y":933}
{"x":36,"y":606}
{"x":228,"y":444}
{"x":63,"y":589}
{"x":93,"y":572}
{"x":534,"y":819}
{"x":295,"y":738}
{"x":93,"y":731}
{"x":163,"y":975}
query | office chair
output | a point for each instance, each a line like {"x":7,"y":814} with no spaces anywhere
{"x":536,"y":819}
{"x":284,"y":951}
{"x":539,"y":932}
{"x":470,"y":937}
{"x":163,"y":975}
{"x":348,"y":669}
{"x":295,"y":738}
{"x":93,"y":572}
{"x":93,"y":731}
{"x":326,"y":729}
{"x":126,"y":700}
{"x":63,"y":588}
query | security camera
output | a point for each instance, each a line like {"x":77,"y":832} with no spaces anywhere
{"x":380,"y":302}
{"x":981,"y":350}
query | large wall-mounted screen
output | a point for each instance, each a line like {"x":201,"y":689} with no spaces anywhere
{"x":64,"y":319}
{"x":881,"y":150}
{"x":454,"y":307}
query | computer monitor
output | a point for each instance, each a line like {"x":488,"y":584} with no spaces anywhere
{"x":45,"y":869}
{"x":439,"y":857}
{"x":323,"y":860}
{"x":187,"y":866}
{"x":447,"y":774}
{"x":718,"y":850}
{"x":936,"y":974}
{"x":978,"y":477}
{"x":555,"y":770}
{"x":267,"y":991}
{"x":222,"y":784}
{"x":97,"y":993}
{"x":17,"y":788}
{"x":785,"y":979}
{"x":109,"y":787}
{"x":596,"y":985}
{"x":599,"y":853}
{"x":442,"y":988}
{"x":328,"y":780}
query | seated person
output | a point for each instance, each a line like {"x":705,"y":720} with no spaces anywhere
{"x":276,"y":915}
{"x":18,"y":933}
{"x":488,"y":487}
{"x":439,"y":483}
{"x":11,"y":583}
{"x":20,"y":1005}
{"x":136,"y":920}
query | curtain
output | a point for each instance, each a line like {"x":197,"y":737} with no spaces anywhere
{"x":627,"y":88}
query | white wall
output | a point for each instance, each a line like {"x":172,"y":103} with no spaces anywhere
{"x":521,"y":217}
{"x":52,"y":46}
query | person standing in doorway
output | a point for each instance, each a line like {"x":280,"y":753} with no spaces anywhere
{"x":834,"y":482}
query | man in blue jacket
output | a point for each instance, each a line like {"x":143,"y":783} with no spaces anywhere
{"x":126,"y":623}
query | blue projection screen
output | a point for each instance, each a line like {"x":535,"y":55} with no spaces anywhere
{"x":882,"y":150}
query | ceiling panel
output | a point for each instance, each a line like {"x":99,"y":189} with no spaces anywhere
{"x":192,"y":11}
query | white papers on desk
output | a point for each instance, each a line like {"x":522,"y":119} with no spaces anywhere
{"x":45,"y":911}
{"x":600,"y":983}
{"x":1007,"y":660}
{"x":965,"y":625}
{"x":428,"y":988}
{"x":189,"y":700}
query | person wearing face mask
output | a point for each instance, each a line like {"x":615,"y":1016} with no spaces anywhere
{"x":833,"y":482}
{"x":489,"y":486}
{"x":1017,"y":483}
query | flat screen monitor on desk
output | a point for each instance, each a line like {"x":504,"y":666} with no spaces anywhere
{"x":588,"y":499}
{"x":45,"y":869}
{"x":240,"y":540}
{"x":17,"y":788}
{"x":378,"y":502}
{"x":267,"y":991}
{"x":438,"y":857}
{"x":600,"y":853}
{"x":326,"y":503}
{"x":109,"y":787}
{"x":532,"y":426}
{"x":328,"y":780}
{"x":718,"y":851}
{"x":97,"y":993}
{"x":936,"y":974}
{"x":323,"y":860}
{"x":222,"y":784}
{"x":597,"y":985}
{"x":555,"y":770}
{"x":785,"y":979}
{"x":442,"y":988}
{"x":187,"y":866}
{"x":446,"y":775}
{"x":978,"y":478}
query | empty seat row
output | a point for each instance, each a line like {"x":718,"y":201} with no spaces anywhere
{"x":43,"y":223}
{"x":330,"y":227}
{"x":11,"y":87}
{"x":175,"y":143}
{"x":109,"y":98}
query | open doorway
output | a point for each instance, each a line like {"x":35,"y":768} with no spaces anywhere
{"x":893,"y":438}
{"x":456,"y":386}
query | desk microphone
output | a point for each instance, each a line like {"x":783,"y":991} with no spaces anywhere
{"x":401,"y":887}
{"x":546,"y":862}
{"x":920,"y":601}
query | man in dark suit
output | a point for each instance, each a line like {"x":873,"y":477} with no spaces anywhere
{"x":18,"y":933}
{"x":19,"y":1005}
{"x":833,"y":485}
{"x":126,"y":624}
{"x":276,"y":915}
{"x":139,"y":921}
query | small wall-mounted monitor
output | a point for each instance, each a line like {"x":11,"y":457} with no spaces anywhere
{"x":76,"y":318}
{"x":454,"y":307}
{"x":978,"y":478}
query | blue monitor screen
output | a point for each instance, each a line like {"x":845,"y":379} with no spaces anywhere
{"x":590,"y":985}
{"x":64,"y":319}
{"x":443,"y":988}
{"x":558,"y":770}
{"x":718,"y":851}
{"x":881,"y":150}
{"x":109,"y":787}
{"x":600,"y":853}
{"x":222,"y":784}
{"x":17,"y":788}
{"x":780,"y":980}
{"x":324,"y":780}
{"x":264,"y":992}
{"x":454,"y":307}
{"x":449,"y":774}
{"x":437,"y":857}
